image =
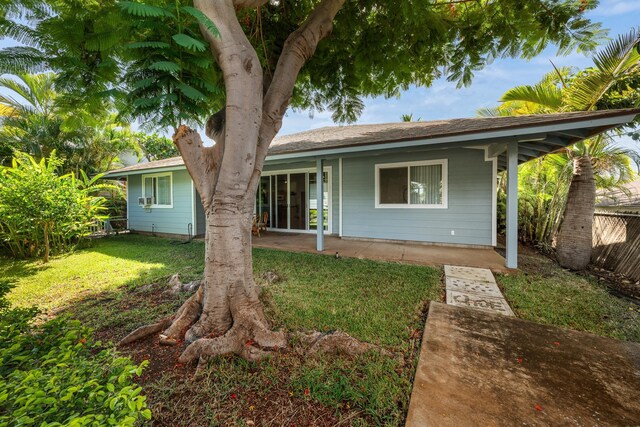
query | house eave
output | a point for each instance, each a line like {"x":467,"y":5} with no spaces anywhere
{"x":535,"y":141}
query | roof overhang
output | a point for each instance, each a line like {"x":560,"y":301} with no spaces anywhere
{"x":533,"y":141}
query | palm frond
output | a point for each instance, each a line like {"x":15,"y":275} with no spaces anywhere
{"x":619,"y":58}
{"x":546,"y":96}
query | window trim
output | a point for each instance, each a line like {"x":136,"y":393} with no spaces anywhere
{"x":159,"y":175}
{"x":445,"y":184}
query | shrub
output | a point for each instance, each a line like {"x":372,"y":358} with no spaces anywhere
{"x":43,"y":213}
{"x":54,"y":375}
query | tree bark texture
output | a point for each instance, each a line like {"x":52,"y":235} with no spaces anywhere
{"x":573,"y":243}
{"x":225,"y":314}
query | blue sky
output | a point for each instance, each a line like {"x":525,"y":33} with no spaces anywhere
{"x":442,"y":100}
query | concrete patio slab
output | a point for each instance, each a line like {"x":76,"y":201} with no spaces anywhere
{"x":481,"y":302}
{"x":411,"y":253}
{"x":476,"y":274}
{"x":478,"y":368}
{"x":473,"y":287}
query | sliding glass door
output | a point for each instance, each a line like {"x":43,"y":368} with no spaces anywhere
{"x":288,"y":200}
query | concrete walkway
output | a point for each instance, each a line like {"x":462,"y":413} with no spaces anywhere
{"x":478,"y":368}
{"x":474,"y":288}
{"x":413,"y":253}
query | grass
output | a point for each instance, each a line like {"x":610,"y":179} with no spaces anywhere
{"x":545,"y":293}
{"x":119,"y":283}
{"x":109,"y":265}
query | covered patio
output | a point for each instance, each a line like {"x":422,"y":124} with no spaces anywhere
{"x":412,"y":253}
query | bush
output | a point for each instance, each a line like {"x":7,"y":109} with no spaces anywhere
{"x":43,"y":213}
{"x":54,"y":375}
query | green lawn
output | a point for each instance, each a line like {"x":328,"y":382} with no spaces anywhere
{"x":545,"y":293}
{"x":118,"y":283}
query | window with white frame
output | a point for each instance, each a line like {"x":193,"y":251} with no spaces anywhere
{"x":412,"y":184}
{"x":158,"y":187}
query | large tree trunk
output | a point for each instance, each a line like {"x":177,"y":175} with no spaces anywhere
{"x":573,"y":243}
{"x":225,"y":314}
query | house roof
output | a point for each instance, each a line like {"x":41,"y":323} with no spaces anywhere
{"x":349,"y":136}
{"x":626,"y":197}
{"x":536,"y":135}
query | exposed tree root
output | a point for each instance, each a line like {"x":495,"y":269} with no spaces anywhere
{"x":337,"y":343}
{"x":250,"y":337}
{"x":145,"y":331}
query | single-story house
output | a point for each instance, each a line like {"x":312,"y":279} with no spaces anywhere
{"x":433,"y":182}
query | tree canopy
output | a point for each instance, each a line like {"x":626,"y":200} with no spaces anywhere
{"x":152,"y":58}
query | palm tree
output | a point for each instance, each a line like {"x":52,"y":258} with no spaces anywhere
{"x":28,"y":115}
{"x":35,"y":122}
{"x":594,"y":160}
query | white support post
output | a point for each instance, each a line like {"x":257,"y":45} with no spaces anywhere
{"x":320,"y":205}
{"x":512,"y":206}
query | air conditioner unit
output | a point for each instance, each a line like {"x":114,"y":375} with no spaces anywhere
{"x":141,"y":201}
{"x":149,"y":201}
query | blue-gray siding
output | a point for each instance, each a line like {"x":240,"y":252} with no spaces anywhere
{"x":469,"y":212}
{"x":173,"y":220}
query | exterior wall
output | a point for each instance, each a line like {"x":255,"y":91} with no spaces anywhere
{"x":172,"y":220}
{"x":335,"y":184}
{"x":468,"y":214}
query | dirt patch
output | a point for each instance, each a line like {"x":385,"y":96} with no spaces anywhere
{"x":231,"y":391}
{"x":177,"y":396}
{"x":616,"y":282}
{"x":532,"y":260}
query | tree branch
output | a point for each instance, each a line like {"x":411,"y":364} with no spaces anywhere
{"x":243,"y":83}
{"x":199,"y":160}
{"x":298,"y":49}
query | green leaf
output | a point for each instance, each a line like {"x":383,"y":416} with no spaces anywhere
{"x":165,"y":66}
{"x":189,"y":42}
{"x":200,"y":62}
{"x":151,"y":44}
{"x":191,"y":92}
{"x":202,"y":19}
{"x":146,"y":414}
{"x":144,"y":83}
{"x":144,"y":10}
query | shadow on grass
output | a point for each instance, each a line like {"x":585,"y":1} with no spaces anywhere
{"x":374,"y":301}
{"x":16,"y":269}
